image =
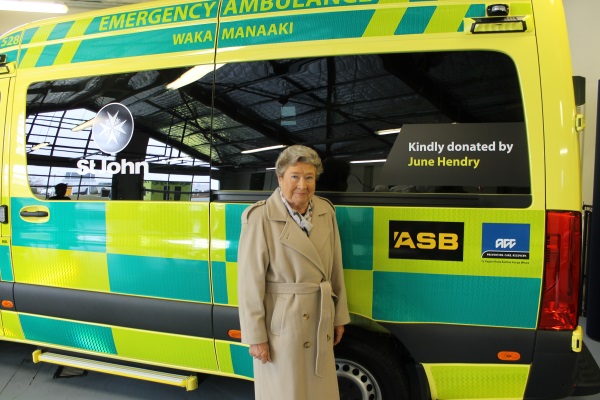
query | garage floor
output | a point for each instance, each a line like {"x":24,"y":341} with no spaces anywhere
{"x":21,"y":379}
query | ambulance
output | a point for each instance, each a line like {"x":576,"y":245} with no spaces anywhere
{"x":449,"y":134}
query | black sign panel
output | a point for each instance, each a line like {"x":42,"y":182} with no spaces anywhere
{"x":459,"y":155}
{"x":420,"y":240}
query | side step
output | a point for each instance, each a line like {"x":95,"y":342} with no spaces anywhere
{"x":188,"y":382}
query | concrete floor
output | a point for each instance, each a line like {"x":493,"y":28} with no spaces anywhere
{"x":21,"y":379}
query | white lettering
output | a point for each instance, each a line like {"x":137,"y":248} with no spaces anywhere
{"x":506,"y":243}
{"x":113,"y":168}
{"x":82,"y":165}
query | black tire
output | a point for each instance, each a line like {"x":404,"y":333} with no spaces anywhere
{"x":368,"y":369}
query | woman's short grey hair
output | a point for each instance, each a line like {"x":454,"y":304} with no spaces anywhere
{"x":295,"y":154}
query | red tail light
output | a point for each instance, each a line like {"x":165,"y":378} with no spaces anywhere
{"x":560,"y":295}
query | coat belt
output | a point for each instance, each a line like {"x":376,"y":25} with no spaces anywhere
{"x":325,"y":317}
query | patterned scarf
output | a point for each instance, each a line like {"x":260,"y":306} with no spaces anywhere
{"x":304,"y":221}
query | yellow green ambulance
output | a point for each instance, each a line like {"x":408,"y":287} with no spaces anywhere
{"x":449,"y":134}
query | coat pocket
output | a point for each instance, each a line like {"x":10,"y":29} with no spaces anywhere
{"x":278,"y":315}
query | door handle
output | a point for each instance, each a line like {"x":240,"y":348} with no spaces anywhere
{"x":35,"y":214}
{"x":38,"y":214}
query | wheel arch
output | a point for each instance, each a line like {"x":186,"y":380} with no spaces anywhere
{"x":367,"y":330}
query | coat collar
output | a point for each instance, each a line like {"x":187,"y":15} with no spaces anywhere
{"x":276,"y":210}
{"x":294,"y":237}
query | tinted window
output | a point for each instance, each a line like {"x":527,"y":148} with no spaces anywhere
{"x":388,"y":127}
{"x":166,"y":152}
{"x":393,"y":123}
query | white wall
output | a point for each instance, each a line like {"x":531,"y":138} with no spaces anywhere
{"x":10,"y":19}
{"x":584,"y":30}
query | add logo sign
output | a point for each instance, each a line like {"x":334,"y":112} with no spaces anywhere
{"x":422,"y":240}
{"x":501,"y":240}
{"x":113,"y":128}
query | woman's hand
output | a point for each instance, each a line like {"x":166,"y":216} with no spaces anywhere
{"x":338,"y":332}
{"x":261,"y":352}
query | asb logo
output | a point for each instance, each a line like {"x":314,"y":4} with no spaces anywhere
{"x":420,"y":240}
{"x":505,"y":241}
{"x":113,"y":128}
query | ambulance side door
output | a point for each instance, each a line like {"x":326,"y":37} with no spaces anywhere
{"x":6,"y":275}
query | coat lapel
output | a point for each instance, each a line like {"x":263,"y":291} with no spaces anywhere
{"x":293,"y":236}
{"x":321,"y":228}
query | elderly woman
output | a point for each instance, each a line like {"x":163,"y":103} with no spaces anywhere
{"x":291,"y":290}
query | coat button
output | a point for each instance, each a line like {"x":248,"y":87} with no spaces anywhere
{"x":328,"y":338}
{"x":305,"y":316}
{"x":306,"y":345}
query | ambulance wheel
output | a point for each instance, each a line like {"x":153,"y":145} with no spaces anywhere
{"x":369,"y":371}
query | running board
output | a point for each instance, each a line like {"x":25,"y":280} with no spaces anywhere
{"x":188,"y":382}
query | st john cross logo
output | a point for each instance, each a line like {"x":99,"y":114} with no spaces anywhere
{"x":113,"y":128}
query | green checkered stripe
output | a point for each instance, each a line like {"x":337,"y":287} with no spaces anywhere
{"x":359,"y":22}
{"x":9,"y":46}
{"x":95,"y":254}
{"x":129,"y":44}
{"x":234,"y":359}
{"x":164,"y":349}
{"x":357,"y":246}
{"x":176,"y":29}
{"x":181,"y":28}
{"x":413,"y":291}
{"x":6,"y":273}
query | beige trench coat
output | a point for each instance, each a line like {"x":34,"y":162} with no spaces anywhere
{"x":291,"y":293}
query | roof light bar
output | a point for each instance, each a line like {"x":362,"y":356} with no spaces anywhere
{"x":83,"y":126}
{"x":388,"y":131}
{"x":193,"y":75}
{"x":39,"y":146}
{"x":367,"y":161}
{"x":174,"y":160}
{"x":279,"y":146}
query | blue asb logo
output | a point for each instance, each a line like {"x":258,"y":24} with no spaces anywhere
{"x":505,"y":241}
{"x":113,"y":128}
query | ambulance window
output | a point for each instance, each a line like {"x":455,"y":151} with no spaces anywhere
{"x":440,"y":128}
{"x":120,"y":137}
